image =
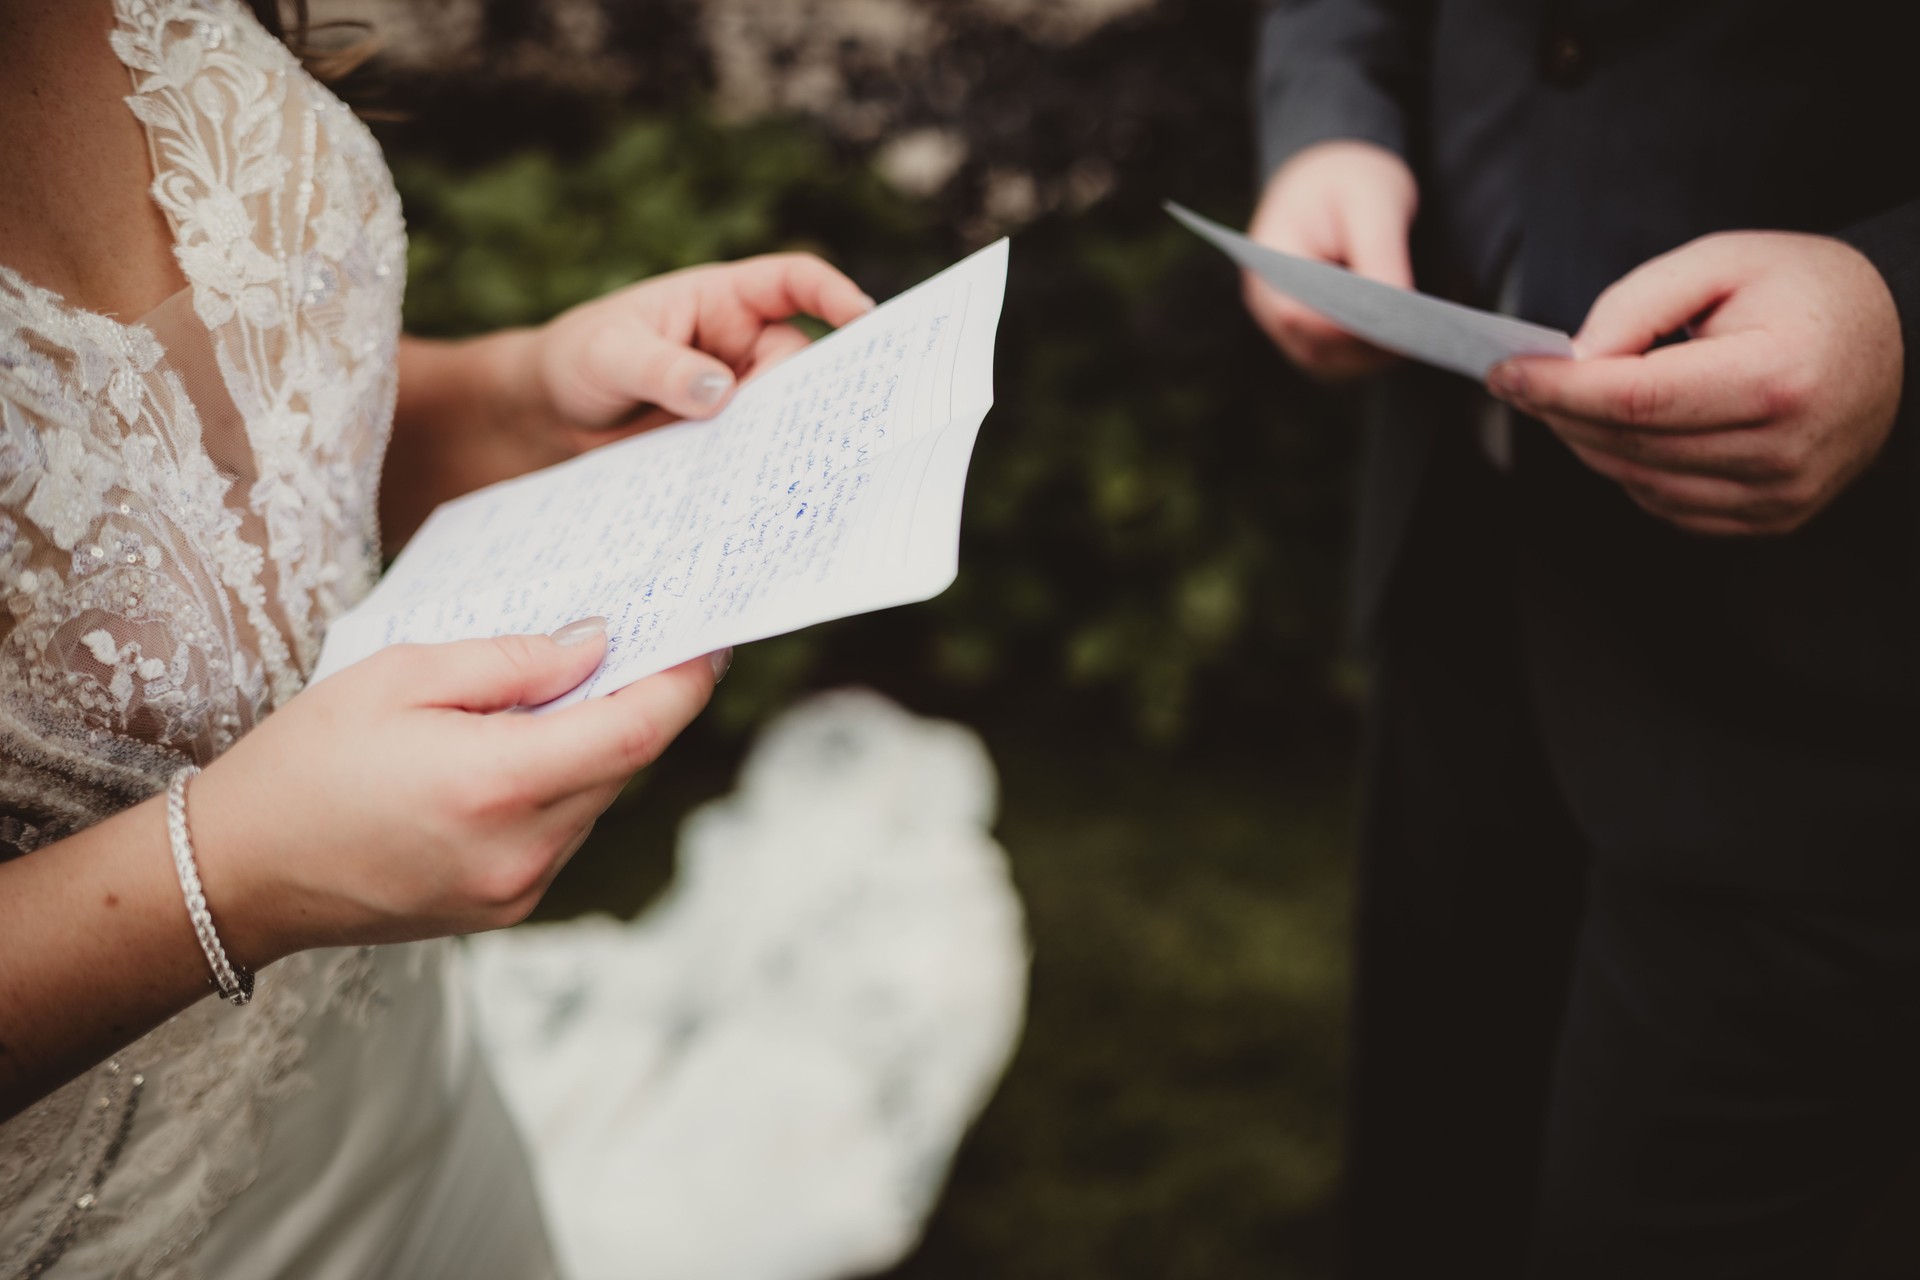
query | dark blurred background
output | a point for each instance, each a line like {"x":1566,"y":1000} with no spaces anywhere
{"x":1147,"y":625}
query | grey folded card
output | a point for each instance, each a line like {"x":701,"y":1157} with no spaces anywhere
{"x":1415,"y":325}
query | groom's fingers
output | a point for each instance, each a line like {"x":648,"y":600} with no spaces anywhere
{"x":1310,"y":340}
{"x":1298,"y":330}
{"x":1708,"y":384}
{"x":1370,"y":244}
{"x":1663,"y":296}
{"x":1268,"y":309}
{"x":1377,"y":246}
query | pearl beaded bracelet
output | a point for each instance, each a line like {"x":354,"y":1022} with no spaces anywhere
{"x":234,"y":984}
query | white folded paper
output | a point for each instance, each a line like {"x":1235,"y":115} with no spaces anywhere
{"x":1416,"y":325}
{"x":830,"y":486}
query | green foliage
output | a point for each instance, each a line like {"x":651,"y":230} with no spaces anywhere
{"x":1143,"y":512}
{"x":520,"y":240}
{"x":1156,"y":505}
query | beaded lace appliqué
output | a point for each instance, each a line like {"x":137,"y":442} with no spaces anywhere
{"x":184,"y":504}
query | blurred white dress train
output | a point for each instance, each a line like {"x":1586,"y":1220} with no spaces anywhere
{"x":792,"y":1041}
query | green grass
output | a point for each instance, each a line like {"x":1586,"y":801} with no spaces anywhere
{"x":1172,"y":1111}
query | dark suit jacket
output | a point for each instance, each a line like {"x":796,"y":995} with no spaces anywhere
{"x":1742,"y":711}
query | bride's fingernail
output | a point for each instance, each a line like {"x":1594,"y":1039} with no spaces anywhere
{"x":708,"y":388}
{"x":581,"y":632}
{"x":722,"y":659}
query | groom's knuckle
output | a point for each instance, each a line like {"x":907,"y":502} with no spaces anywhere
{"x":1783,"y":457}
{"x":1784,"y":393}
{"x":1800,"y":494}
{"x":1645,"y":401}
{"x":1770,"y":507}
{"x":1631,"y":448}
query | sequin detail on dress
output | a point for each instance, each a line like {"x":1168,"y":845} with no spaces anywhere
{"x":184,"y":504}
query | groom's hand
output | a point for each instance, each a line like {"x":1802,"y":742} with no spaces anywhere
{"x":1784,"y":394}
{"x":1347,"y":203}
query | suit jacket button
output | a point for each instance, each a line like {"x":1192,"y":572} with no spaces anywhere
{"x":1564,"y":61}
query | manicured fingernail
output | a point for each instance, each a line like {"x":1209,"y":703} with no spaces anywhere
{"x":582,"y":632}
{"x":709,"y":388}
{"x":722,"y":659}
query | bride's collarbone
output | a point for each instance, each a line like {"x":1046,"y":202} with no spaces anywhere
{"x":76,"y":213}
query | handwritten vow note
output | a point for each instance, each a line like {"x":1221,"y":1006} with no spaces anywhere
{"x":830,"y":486}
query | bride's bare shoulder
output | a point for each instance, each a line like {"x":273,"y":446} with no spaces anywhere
{"x":75,"y":213}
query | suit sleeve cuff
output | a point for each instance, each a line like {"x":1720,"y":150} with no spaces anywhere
{"x":1891,"y":242}
{"x":1328,"y":73}
{"x":1306,"y":117}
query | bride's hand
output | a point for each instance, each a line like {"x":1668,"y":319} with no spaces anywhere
{"x":486,"y":409}
{"x":389,"y":803}
{"x":677,"y":345}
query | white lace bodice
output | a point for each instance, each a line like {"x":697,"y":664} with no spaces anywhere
{"x":184,"y":504}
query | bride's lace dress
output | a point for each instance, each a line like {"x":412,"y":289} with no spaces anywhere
{"x":185,"y":502}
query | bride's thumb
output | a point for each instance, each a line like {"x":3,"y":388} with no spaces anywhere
{"x":512,"y":671}
{"x":630,"y":364}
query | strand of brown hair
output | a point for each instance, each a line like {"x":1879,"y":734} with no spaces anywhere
{"x":329,"y":50}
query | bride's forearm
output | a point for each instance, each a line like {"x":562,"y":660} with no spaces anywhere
{"x":96,"y":949}
{"x":462,"y":420}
